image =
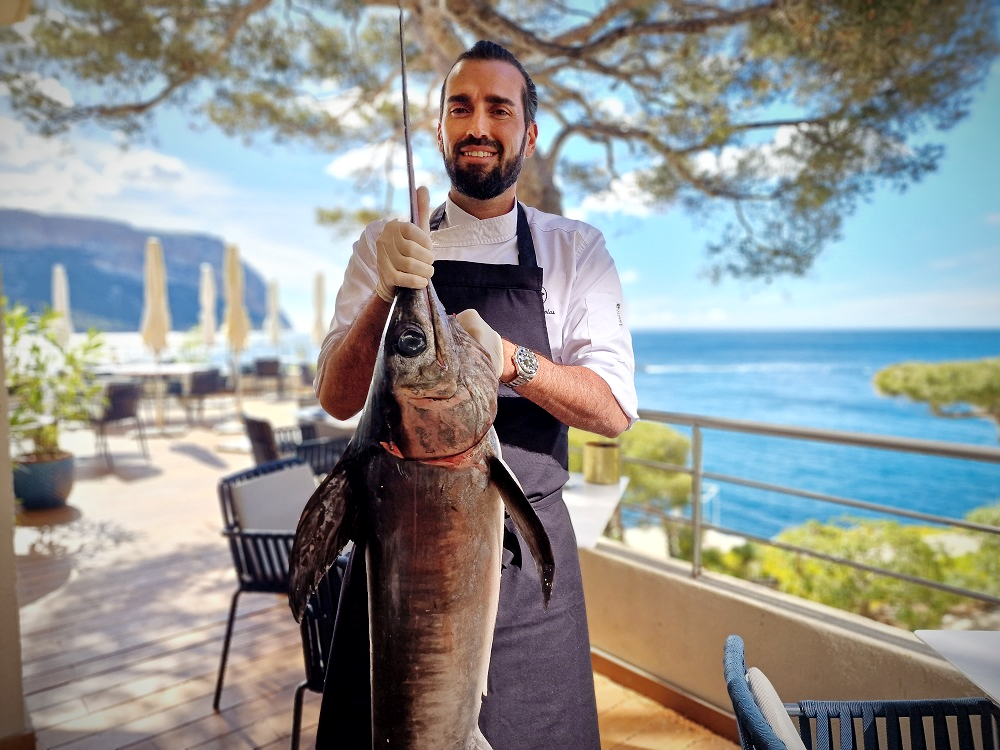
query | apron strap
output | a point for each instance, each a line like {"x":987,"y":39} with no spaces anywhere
{"x":525,"y":244}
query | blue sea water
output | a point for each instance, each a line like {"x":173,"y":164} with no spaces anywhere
{"x":819,"y":379}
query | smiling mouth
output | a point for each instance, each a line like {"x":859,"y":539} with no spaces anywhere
{"x":477,"y":154}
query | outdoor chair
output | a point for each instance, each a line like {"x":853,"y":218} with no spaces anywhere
{"x":272,"y":443}
{"x":317,"y":637}
{"x":765,"y":723}
{"x":121,"y":404}
{"x":201,"y":385}
{"x":260,"y":511}
{"x":266,"y":369}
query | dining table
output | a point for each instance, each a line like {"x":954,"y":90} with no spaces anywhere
{"x":157,"y":373}
{"x":975,"y":653}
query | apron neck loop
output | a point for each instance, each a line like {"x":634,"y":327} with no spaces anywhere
{"x":525,"y":245}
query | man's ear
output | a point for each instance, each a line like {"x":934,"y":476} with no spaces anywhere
{"x":532,"y":134}
{"x":440,"y":140}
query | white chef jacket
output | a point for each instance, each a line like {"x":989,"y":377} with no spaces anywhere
{"x":581,"y":291}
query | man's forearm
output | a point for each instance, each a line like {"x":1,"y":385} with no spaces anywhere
{"x":347,"y":371}
{"x":575,"y":395}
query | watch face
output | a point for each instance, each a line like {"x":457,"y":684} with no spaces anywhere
{"x":527,"y":362}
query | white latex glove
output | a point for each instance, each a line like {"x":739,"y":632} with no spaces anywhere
{"x":403,"y":253}
{"x":480,"y":330}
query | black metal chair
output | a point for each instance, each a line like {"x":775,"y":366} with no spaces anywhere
{"x":317,"y":636}
{"x":200,"y":386}
{"x":879,"y":724}
{"x":260,"y":510}
{"x":121,"y":404}
{"x":269,"y":369}
{"x":272,"y":443}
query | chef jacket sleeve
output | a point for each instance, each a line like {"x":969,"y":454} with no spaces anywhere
{"x":595,"y":332}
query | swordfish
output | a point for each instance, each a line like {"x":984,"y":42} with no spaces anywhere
{"x":422,"y":489}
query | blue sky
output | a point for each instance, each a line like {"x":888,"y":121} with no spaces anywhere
{"x":927,"y":258}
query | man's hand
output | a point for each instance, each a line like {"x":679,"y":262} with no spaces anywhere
{"x":403,"y":253}
{"x":480,"y":330}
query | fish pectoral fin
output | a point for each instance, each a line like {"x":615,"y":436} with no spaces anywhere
{"x":477,"y":741}
{"x":527,"y":522}
{"x":327,"y":523}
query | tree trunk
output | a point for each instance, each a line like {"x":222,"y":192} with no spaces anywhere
{"x":536,"y":186}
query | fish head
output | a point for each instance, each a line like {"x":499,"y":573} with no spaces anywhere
{"x":438,"y":383}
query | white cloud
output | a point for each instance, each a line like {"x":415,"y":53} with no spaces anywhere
{"x":623,"y":198}
{"x":51,"y":88}
{"x":993,"y":218}
{"x":629,"y":276}
{"x":86,"y":176}
{"x":986,"y":261}
{"x":926,"y":309}
{"x":81,"y":175}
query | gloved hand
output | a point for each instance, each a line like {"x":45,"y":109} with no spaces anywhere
{"x":480,"y":330}
{"x":403,"y":253}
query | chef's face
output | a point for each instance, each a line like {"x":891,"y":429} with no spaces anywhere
{"x":482,"y":133}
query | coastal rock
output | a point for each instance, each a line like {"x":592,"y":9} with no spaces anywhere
{"x":104,"y":263}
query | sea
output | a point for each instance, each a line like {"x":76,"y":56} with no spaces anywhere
{"x":819,"y":379}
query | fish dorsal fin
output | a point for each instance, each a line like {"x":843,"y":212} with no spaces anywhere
{"x":328,"y":521}
{"x":526,"y":521}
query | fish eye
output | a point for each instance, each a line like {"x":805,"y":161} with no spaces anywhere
{"x":411,"y":342}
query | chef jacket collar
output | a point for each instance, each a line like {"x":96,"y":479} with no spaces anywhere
{"x":463,"y":229}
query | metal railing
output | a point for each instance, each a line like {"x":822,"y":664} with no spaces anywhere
{"x":698,"y":424}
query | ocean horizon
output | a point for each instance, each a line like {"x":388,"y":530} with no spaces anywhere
{"x":820,"y":379}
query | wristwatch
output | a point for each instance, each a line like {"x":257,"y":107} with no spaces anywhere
{"x":526,"y":365}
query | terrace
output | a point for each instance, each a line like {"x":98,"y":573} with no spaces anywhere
{"x":123,"y":598}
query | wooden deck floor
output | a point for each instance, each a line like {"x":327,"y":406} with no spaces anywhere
{"x":124,"y":596}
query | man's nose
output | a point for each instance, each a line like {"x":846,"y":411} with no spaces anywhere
{"x":478,"y":124}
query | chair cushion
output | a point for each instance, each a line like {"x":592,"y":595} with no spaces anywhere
{"x":770,"y":705}
{"x":273,"y":501}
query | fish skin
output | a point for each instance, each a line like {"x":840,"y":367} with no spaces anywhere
{"x":422,"y":489}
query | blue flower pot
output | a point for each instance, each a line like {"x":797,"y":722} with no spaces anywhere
{"x":43,"y":484}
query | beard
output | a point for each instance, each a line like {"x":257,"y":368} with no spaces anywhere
{"x":481,"y":183}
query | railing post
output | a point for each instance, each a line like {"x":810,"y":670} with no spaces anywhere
{"x":695,"y":501}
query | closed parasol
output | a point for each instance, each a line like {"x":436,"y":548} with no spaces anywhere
{"x":63,"y":325}
{"x":272,"y":322}
{"x":156,"y":310}
{"x":206,"y":301}
{"x":235,"y":318}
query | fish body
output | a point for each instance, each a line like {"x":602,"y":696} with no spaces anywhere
{"x":422,"y":489}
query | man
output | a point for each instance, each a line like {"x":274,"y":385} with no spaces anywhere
{"x":541,"y":293}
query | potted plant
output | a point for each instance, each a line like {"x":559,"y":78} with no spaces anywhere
{"x":48,"y":385}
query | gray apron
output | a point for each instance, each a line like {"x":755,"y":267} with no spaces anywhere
{"x":540,"y":688}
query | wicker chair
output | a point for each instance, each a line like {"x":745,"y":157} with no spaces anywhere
{"x":202,"y":384}
{"x":317,"y":636}
{"x":260,"y":511}
{"x":121,"y":404}
{"x":270,"y":444}
{"x":765,"y":723}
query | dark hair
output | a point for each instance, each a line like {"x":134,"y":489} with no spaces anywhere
{"x":487,"y":50}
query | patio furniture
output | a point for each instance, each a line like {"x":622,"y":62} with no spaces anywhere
{"x":260,"y":511}
{"x":266,"y":369}
{"x":121,"y":404}
{"x":765,"y":723}
{"x":272,"y":443}
{"x":201,"y":385}
{"x":317,"y":636}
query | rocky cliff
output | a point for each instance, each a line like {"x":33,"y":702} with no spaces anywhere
{"x":104,"y":264}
